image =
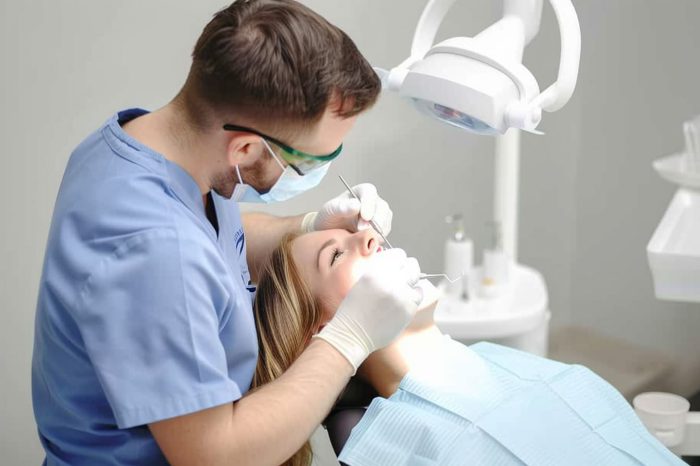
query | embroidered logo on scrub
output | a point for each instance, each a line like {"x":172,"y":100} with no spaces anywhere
{"x":239,"y":239}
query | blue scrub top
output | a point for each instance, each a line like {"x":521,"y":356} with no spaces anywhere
{"x":144,"y":312}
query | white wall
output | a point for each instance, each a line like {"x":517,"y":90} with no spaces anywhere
{"x":589,"y":203}
{"x":640,"y":79}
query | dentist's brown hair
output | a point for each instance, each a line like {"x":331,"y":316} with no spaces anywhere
{"x":277,"y":60}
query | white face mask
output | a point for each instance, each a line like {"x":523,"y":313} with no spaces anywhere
{"x":287,"y":186}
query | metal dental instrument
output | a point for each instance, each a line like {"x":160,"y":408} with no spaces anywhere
{"x":435,"y":275}
{"x":386,"y":241}
{"x":371,"y":222}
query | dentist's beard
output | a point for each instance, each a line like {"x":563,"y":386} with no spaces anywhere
{"x":223,"y":183}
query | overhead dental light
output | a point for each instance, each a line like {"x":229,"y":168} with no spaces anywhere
{"x":479,"y":83}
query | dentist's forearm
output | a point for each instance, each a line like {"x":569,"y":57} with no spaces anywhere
{"x":288,"y":410}
{"x":265,"y":427}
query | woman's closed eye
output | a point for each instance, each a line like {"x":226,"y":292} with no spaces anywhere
{"x":335,"y":255}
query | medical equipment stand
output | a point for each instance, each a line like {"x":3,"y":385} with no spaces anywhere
{"x":691,"y":442}
{"x":502,"y":301}
{"x":479,"y":84}
{"x":674,"y":259}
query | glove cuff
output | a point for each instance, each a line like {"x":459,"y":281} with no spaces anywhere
{"x":351,"y":350}
{"x":307,"y":224}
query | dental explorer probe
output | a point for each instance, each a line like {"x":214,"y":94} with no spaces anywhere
{"x":435,"y":275}
{"x":371,"y":222}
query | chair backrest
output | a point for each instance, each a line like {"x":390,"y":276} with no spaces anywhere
{"x":348,"y":411}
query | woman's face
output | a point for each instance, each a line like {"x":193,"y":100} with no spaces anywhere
{"x":331,"y":261}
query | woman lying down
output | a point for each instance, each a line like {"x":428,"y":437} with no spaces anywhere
{"x":441,"y":402}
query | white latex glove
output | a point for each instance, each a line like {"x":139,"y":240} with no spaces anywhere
{"x":348,"y":213}
{"x":377,"y":308}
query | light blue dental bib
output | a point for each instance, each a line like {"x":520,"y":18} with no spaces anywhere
{"x":492,"y":405}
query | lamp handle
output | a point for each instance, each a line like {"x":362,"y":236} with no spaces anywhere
{"x":558,"y":94}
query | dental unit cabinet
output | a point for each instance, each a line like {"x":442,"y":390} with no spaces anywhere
{"x":479,"y":84}
{"x":674,"y":250}
{"x":499,"y":301}
{"x":673,"y":254}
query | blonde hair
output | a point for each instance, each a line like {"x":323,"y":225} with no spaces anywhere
{"x":286,"y":314}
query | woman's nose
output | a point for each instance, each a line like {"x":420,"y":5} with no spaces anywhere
{"x":366,"y":241}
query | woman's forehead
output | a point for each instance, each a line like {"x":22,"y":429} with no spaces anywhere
{"x":317,"y":238}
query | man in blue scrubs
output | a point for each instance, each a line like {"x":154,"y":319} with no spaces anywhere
{"x":145,"y":343}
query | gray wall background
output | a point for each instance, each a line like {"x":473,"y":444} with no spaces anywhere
{"x":589,"y":198}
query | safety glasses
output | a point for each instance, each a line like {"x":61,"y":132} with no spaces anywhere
{"x":301,"y":162}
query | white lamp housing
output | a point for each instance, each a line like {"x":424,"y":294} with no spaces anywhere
{"x":479,"y":83}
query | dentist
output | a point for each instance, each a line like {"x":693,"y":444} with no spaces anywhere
{"x":145,"y":341}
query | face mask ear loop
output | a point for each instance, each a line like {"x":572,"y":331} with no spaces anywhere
{"x":238,"y":172}
{"x":272,"y":153}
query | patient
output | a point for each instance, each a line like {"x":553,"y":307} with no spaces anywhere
{"x":441,"y":402}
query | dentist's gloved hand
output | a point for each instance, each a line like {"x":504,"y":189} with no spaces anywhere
{"x":348,"y":213}
{"x":377,"y":308}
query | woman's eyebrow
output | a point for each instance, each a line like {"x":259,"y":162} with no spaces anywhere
{"x":324,"y":246}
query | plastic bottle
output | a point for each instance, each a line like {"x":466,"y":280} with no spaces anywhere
{"x":459,"y":257}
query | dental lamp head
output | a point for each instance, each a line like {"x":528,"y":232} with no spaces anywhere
{"x":479,"y":83}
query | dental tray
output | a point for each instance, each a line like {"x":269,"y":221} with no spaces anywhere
{"x":672,"y":168}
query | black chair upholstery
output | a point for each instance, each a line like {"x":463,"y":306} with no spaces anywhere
{"x":347,"y":412}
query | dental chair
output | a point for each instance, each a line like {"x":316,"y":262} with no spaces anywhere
{"x":347,"y":412}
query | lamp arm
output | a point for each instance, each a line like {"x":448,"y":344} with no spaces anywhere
{"x":558,"y":94}
{"x":530,"y":11}
{"x":428,"y":25}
